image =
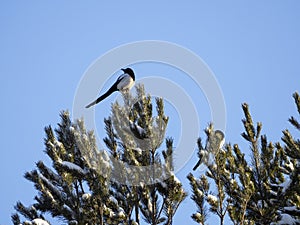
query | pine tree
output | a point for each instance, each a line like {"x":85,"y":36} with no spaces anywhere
{"x":144,"y":178}
{"x":201,"y":187}
{"x":264,"y":191}
{"x":71,"y":191}
{"x":90,"y":186}
{"x":290,"y":189}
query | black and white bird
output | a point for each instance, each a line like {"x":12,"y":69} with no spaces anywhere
{"x":124,"y":83}
{"x":215,"y":142}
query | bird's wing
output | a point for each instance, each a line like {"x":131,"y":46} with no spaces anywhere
{"x":215,"y":141}
{"x":124,"y":82}
{"x":122,"y":76}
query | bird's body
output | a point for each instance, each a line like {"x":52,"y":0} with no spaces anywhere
{"x":214,"y":143}
{"x":123,"y":84}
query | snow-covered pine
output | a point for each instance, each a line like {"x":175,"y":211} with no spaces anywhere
{"x":88,"y":195}
{"x":286,"y":219}
{"x":39,"y":222}
{"x":73,"y":167}
{"x":212,"y":198}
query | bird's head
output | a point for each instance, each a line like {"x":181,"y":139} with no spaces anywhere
{"x":130,"y":72}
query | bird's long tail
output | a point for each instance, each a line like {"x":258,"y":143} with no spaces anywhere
{"x":105,"y":95}
{"x":198,"y":164}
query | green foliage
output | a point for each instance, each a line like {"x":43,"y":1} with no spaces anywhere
{"x":89,"y":186}
{"x":200,"y":188}
{"x":260,"y":192}
{"x":134,"y":178}
{"x":216,"y":169}
{"x":150,"y":184}
{"x":72,"y":190}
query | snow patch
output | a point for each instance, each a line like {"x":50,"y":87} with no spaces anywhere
{"x":286,"y":184}
{"x":290,"y":165}
{"x":212,"y":198}
{"x":197,"y":215}
{"x":141,"y":131}
{"x":86,"y":196}
{"x":291,"y":208}
{"x":39,"y":222}
{"x":138,"y":150}
{"x":113,"y":199}
{"x":105,"y":156}
{"x":199,"y":192}
{"x":176,"y":180}
{"x":286,"y":219}
{"x":50,"y":185}
{"x":121,"y":214}
{"x":72,"y":166}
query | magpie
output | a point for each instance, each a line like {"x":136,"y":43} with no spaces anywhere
{"x":124,"y":82}
{"x":214,"y":143}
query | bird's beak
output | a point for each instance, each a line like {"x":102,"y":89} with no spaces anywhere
{"x":123,"y":70}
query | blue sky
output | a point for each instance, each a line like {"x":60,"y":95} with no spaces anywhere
{"x":252,"y":47}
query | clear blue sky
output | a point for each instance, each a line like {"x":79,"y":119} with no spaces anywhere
{"x":252,"y":47}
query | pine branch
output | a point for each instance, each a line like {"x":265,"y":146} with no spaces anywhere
{"x":297,"y":101}
{"x":294,"y":122}
{"x":200,"y":190}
